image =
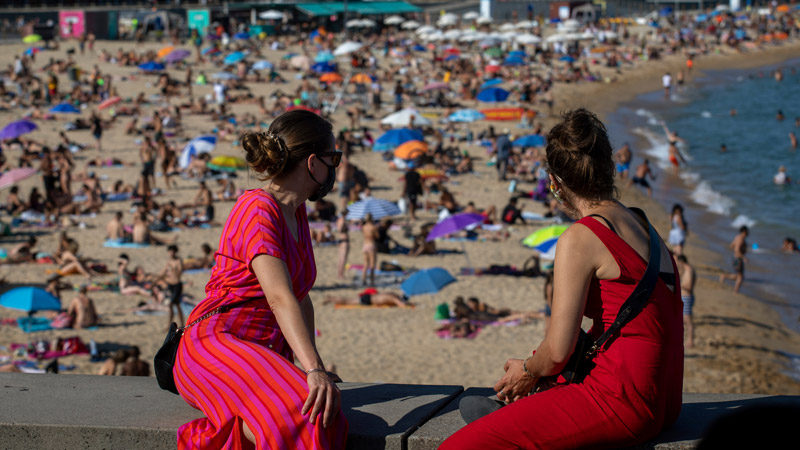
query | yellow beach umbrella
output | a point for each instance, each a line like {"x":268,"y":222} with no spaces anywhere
{"x":31,"y":39}
{"x":227,"y":163}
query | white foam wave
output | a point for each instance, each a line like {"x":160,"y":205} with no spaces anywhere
{"x":690,"y":177}
{"x":705,"y":114}
{"x":711,"y":199}
{"x":742,"y":220}
{"x":652,"y":119}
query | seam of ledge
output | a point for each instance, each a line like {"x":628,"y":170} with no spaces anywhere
{"x":413,"y":429}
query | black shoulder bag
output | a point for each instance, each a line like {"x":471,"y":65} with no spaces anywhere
{"x":580,"y":363}
{"x":164,"y":361}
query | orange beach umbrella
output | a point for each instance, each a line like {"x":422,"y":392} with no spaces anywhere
{"x":411,"y":150}
{"x":361,"y":78}
{"x":165,"y":51}
{"x":331,"y":77}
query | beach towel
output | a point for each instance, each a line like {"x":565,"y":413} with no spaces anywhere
{"x":446,"y":334}
{"x":33,"y":324}
{"x":118,"y":244}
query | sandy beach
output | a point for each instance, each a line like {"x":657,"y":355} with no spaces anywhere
{"x":741,"y":344}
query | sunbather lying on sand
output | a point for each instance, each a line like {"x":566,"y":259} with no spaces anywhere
{"x":371,"y":297}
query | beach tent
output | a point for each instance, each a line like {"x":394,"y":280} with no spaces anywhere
{"x":377,"y":207}
{"x":18,"y":128}
{"x":406,"y":117}
{"x":493,"y":95}
{"x":198,"y":145}
{"x":426,"y":281}
{"x":65,"y":108}
{"x":393,"y":138}
{"x":531,"y":140}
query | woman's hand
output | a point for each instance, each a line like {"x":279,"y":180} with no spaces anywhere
{"x":324,"y":396}
{"x":515,"y":384}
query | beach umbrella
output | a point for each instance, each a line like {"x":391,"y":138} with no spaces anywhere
{"x":491,"y":41}
{"x":424,"y":29}
{"x":545,"y":238}
{"x":227,"y":163}
{"x":492,"y":68}
{"x":65,"y":108}
{"x":418,"y":48}
{"x":531,"y":140}
{"x":513,"y":61}
{"x":493,"y":52}
{"x":491,"y":82}
{"x":198,"y":145}
{"x":426,"y":281}
{"x":411,"y":150}
{"x":151,"y":66}
{"x":466,"y":115}
{"x":324,"y":56}
{"x":301,"y":62}
{"x":493,"y":95}
{"x":271,"y":14}
{"x":436,"y":86}
{"x":567,"y":58}
{"x":450,"y":58}
{"x":447,"y":19}
{"x":471,"y":15}
{"x":406,"y":117}
{"x":347,"y":48}
{"x":454,"y":223}
{"x":368,"y":23}
{"x":109,"y":102}
{"x":410,"y":25}
{"x":361,"y":78}
{"x":16,"y":175}
{"x":483,"y":20}
{"x":528,"y":39}
{"x":165,"y":51}
{"x":331,"y":77}
{"x":393,"y":138}
{"x":31,"y":39}
{"x":30,"y":299}
{"x":394,"y":20}
{"x":177,"y":56}
{"x":234,"y":58}
{"x":243,"y":36}
{"x":377,"y":207}
{"x":354,"y":23}
{"x":525,"y":24}
{"x":209,"y":51}
{"x":224,"y":76}
{"x":263,"y":65}
{"x":324,"y":67}
{"x":17,"y":129}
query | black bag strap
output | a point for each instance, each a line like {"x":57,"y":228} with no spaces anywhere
{"x":215,"y":311}
{"x":641,"y":294}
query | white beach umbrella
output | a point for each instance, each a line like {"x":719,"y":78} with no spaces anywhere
{"x":483,"y":20}
{"x":556,"y":38}
{"x":393,"y":20}
{"x":410,"y":25}
{"x":574,"y":36}
{"x":507,"y":27}
{"x":353,"y":23}
{"x":528,"y":38}
{"x":610,"y":34}
{"x":471,"y":15}
{"x":402,"y":118}
{"x":368,"y":23}
{"x":447,"y":19}
{"x":587,"y":35}
{"x":271,"y":15}
{"x":452,"y":34}
{"x":425,"y":29}
{"x":347,"y":47}
{"x":527,"y":24}
{"x":436,"y":35}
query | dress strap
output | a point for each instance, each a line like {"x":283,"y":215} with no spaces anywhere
{"x":611,"y":227}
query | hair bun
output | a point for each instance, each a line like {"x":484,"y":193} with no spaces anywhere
{"x":265,"y":153}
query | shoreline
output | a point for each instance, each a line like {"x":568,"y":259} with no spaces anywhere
{"x":762,"y":357}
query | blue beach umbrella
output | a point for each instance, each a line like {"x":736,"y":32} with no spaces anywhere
{"x":466,"y":115}
{"x":211,"y":51}
{"x":263,"y":65}
{"x":567,"y":58}
{"x":241,"y":36}
{"x":234,"y":58}
{"x":198,"y":145}
{"x":324,"y":56}
{"x":324,"y":67}
{"x":531,"y":140}
{"x":419,"y":48}
{"x":493,"y":95}
{"x":513,"y":61}
{"x":518,"y":53}
{"x":65,"y":108}
{"x":17,"y":129}
{"x":377,"y":207}
{"x":151,"y":66}
{"x":30,"y":299}
{"x":394,"y":138}
{"x":492,"y":82}
{"x":426,"y":281}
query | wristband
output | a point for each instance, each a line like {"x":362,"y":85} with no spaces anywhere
{"x":525,"y":368}
{"x":316,"y":370}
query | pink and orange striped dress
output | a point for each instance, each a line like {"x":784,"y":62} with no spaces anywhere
{"x":237,"y":366}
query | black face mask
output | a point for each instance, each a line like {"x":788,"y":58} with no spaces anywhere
{"x":327,"y":186}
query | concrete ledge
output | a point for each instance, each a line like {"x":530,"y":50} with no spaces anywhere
{"x":93,"y":412}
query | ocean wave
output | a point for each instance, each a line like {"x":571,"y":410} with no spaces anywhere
{"x":652,"y":119}
{"x":706,"y":114}
{"x":742,"y":220}
{"x":714,"y":201}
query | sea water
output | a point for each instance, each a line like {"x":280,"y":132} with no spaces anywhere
{"x":723,"y":191}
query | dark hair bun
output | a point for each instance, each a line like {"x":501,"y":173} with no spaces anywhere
{"x":265,"y":153}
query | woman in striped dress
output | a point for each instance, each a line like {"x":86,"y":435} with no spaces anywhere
{"x":237,"y":365}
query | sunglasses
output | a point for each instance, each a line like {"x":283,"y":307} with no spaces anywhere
{"x":336,"y":157}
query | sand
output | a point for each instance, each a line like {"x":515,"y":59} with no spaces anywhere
{"x":741,"y":345}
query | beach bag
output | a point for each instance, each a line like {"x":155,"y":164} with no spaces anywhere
{"x":164,"y":361}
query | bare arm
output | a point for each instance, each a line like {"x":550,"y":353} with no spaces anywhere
{"x":308,"y":315}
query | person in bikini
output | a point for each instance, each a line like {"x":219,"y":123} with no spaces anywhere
{"x":371,"y":297}
{"x":674,"y":152}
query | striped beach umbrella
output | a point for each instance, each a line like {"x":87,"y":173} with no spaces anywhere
{"x":377,"y":207}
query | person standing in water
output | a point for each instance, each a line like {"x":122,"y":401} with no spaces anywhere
{"x":674,"y":153}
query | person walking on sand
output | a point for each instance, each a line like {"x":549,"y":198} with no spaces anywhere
{"x":687,"y":277}
{"x":640,"y":177}
{"x":342,"y":242}
{"x":412,"y":188}
{"x":370,"y":249}
{"x":171,"y":275}
{"x":236,"y":364}
{"x":739,"y":247}
{"x":678,"y":231}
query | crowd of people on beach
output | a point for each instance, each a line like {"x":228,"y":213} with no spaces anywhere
{"x":439,"y":80}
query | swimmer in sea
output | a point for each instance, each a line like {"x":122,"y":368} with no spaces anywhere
{"x":723,"y":148}
{"x":793,"y":140}
{"x":674,"y":153}
{"x":779,"y":116}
